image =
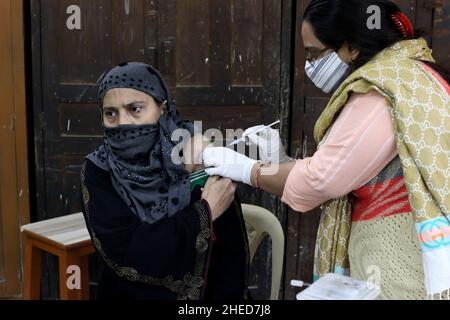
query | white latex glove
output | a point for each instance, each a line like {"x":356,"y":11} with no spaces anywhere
{"x":269,"y":144}
{"x":228,"y":163}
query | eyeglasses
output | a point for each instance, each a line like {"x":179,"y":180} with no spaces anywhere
{"x":314,"y":55}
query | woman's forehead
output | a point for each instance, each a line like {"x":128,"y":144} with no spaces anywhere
{"x":124,"y":96}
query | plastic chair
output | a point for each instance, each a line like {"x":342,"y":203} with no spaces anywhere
{"x":261,"y":222}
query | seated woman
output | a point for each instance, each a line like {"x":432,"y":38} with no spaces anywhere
{"x":157,"y":238}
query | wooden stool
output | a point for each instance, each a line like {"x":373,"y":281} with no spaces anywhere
{"x":66,"y":237}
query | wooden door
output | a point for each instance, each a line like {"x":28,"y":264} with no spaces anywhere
{"x":433,"y":17}
{"x":14,"y":196}
{"x":221,"y":59}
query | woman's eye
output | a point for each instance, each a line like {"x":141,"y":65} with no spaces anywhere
{"x":311,"y":54}
{"x":109,"y":114}
{"x":136,"y":109}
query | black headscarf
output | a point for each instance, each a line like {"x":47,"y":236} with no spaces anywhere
{"x":138,"y":157}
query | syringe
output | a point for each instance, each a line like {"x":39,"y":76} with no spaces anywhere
{"x":255,"y":132}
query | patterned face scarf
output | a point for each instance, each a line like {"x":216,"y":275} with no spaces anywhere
{"x":132,"y":143}
{"x":419,"y":108}
{"x":139,"y":157}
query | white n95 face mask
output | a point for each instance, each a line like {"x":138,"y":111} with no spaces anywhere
{"x":328,"y":72}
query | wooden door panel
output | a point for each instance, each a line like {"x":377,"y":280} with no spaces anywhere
{"x":77,"y":49}
{"x":193,"y":45}
{"x":231,"y":73}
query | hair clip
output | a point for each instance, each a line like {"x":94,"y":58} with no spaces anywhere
{"x":403,"y":24}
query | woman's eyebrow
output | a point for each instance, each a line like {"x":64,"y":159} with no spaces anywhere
{"x":133,"y":103}
{"x":110,"y":108}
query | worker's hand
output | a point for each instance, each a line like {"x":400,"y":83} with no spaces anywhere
{"x":269,"y":144}
{"x":219,"y":193}
{"x":228,"y":163}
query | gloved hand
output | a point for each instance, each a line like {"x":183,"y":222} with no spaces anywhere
{"x":228,"y":163}
{"x":269,"y":144}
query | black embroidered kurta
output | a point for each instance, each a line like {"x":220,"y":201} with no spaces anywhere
{"x":185,"y":256}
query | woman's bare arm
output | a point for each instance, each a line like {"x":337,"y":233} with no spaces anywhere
{"x":272,"y":177}
{"x":194,"y":148}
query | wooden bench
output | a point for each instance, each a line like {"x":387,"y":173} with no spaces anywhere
{"x":66,"y":237}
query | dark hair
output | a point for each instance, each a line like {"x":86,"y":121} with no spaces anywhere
{"x":337,"y":21}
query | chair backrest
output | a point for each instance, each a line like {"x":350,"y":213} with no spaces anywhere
{"x":261,"y":222}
